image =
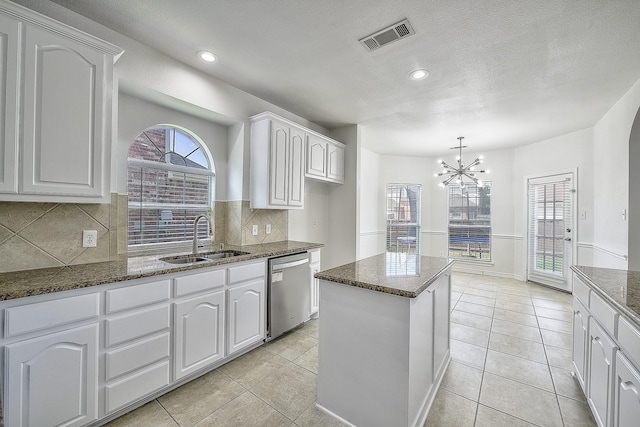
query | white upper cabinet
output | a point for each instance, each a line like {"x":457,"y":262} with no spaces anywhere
{"x":9,"y":34}
{"x":64,"y":121}
{"x":325,"y":159}
{"x":335,"y":163}
{"x":277,"y":163}
{"x":316,"y":157}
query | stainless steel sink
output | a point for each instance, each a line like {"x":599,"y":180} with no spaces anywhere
{"x":223,"y":254}
{"x":184,"y":259}
{"x":203,"y":257}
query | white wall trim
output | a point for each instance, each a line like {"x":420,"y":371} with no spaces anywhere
{"x":461,"y":268}
{"x":507,"y":237}
{"x":372,"y":233}
{"x":495,"y":236}
{"x":603,"y":250}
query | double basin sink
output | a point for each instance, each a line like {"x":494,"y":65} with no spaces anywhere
{"x":202,"y":257}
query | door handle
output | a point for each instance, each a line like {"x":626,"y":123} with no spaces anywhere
{"x":568,"y":239}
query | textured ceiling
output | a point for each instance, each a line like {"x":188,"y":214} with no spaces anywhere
{"x":503,"y":73}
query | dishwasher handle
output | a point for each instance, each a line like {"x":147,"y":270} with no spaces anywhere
{"x":289,"y":264}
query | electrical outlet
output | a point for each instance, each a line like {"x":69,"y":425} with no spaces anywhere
{"x":267,"y":229}
{"x":89,"y":238}
{"x":254,"y":230}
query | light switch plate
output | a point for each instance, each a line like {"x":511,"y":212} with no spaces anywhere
{"x":254,"y":230}
{"x":89,"y":238}
{"x":267,"y":229}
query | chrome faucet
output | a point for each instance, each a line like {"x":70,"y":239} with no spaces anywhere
{"x":195,"y":231}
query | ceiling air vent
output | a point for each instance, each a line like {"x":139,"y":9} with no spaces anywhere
{"x":383,"y":37}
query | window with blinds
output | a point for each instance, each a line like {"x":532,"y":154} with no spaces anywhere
{"x":170,"y":183}
{"x":470,"y":221}
{"x":549,"y":225}
{"x":404,"y":217}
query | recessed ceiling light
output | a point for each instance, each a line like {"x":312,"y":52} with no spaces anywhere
{"x":207,"y":56}
{"x":419,"y":74}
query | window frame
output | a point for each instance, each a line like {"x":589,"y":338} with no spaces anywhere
{"x":456,"y":253}
{"x":173,"y":172}
{"x":397,"y":226}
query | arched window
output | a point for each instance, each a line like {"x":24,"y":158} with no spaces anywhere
{"x":170,"y":181}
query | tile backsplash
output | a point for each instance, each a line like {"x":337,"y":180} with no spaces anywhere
{"x":40,"y":235}
{"x":241,"y":218}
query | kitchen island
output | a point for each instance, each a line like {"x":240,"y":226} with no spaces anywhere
{"x":384,"y":338}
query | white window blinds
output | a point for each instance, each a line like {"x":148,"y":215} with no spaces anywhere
{"x":164,"y":201}
{"x":549,"y":225}
{"x":404,"y":216}
{"x":470,"y":221}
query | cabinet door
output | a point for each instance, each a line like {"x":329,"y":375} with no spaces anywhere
{"x":199,"y":332}
{"x":316,"y":157}
{"x":246,"y":314}
{"x":296,"y":167}
{"x":580,"y":338}
{"x":335,"y":163}
{"x":9,"y":31}
{"x":63,"y":116}
{"x":278,"y":165}
{"x":315,"y":288}
{"x":599,"y":375}
{"x":626,"y":411}
{"x":52,"y":380}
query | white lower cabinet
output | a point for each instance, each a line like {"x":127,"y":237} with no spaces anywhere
{"x":85,"y":356}
{"x":52,"y":380}
{"x":600,"y":366}
{"x":199,"y":332}
{"x":626,"y":411}
{"x":246,"y":314}
{"x":606,"y":357}
{"x":136,"y":340}
{"x":580,"y":338}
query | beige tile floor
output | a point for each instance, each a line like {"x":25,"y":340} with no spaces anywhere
{"x":511,"y":366}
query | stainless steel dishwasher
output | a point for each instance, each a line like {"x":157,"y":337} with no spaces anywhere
{"x":289,"y":293}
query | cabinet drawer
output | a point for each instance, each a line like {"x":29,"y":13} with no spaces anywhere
{"x":245,"y":272}
{"x":199,"y":282}
{"x":136,"y":386}
{"x":603,"y":312}
{"x":137,"y":295}
{"x":127,"y":327}
{"x":135,"y":356}
{"x":581,"y":291}
{"x":314,"y":256}
{"x":47,"y":314}
{"x":629,"y":340}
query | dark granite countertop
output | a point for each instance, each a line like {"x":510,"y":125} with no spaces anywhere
{"x":621,"y":288}
{"x":405,"y":275}
{"x":20,"y":284}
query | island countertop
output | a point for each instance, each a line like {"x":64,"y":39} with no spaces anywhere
{"x":20,"y":284}
{"x":621,"y":288}
{"x":405,"y":275}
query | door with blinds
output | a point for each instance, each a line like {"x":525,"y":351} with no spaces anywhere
{"x":550,"y":230}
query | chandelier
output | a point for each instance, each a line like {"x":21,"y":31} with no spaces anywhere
{"x":459,"y":173}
